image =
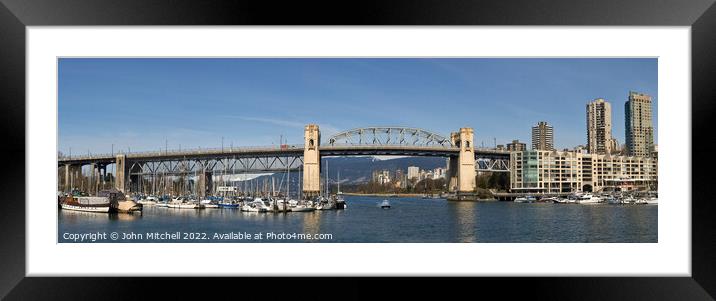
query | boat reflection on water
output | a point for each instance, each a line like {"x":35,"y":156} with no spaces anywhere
{"x":464,"y":219}
{"x":124,"y":217}
{"x":71,"y":216}
{"x":312,"y":222}
{"x":79,"y":217}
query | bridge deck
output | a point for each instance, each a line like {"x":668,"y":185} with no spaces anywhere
{"x":286,"y":150}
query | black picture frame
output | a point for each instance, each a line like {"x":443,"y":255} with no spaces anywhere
{"x":16,"y":15}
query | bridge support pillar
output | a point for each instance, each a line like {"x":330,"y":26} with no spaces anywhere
{"x":72,"y":176}
{"x":92,"y":189}
{"x":203,"y":187}
{"x":121,"y":173}
{"x":311,"y":161}
{"x":466,"y":166}
{"x":102,"y":171}
{"x":67,"y":186}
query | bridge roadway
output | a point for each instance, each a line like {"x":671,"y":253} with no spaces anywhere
{"x":281,"y":151}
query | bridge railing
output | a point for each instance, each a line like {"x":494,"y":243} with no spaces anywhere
{"x":345,"y":144}
{"x":85,"y":157}
{"x":243,"y":149}
{"x":179,"y":152}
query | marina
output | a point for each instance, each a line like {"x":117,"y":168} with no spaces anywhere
{"x":410,"y":219}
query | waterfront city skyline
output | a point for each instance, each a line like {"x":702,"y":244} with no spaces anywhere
{"x":139,"y":104}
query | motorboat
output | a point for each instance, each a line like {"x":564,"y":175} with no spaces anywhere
{"x":341,"y":203}
{"x":302,"y":208}
{"x":209,"y":203}
{"x":588,"y":199}
{"x":652,"y":201}
{"x":182,"y":203}
{"x":609,"y":199}
{"x":385,"y":204}
{"x":627,"y":200}
{"x":548,"y":200}
{"x":258,"y":205}
{"x":229,"y":204}
{"x":149,"y":201}
{"x":561,"y":200}
{"x":325,"y":204}
{"x":525,"y":199}
{"x":183,"y":206}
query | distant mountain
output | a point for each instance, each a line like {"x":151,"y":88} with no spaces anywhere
{"x":353,"y":170}
{"x":360,"y":169}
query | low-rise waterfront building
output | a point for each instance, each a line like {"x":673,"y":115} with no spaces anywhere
{"x":562,"y":172}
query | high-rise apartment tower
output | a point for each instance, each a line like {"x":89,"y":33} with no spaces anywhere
{"x":639,"y":131}
{"x":542,"y":136}
{"x":599,"y":127}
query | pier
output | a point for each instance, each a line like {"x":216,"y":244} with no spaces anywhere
{"x":509,"y":196}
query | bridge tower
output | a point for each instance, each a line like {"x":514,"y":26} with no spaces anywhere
{"x":466,"y":166}
{"x":311,"y":161}
{"x":120,"y":177}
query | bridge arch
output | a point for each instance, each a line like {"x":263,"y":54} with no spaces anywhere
{"x":389,"y":136}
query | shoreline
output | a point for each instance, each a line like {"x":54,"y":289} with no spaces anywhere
{"x":385,"y":194}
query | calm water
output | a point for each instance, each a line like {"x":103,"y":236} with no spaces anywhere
{"x":409,"y":220}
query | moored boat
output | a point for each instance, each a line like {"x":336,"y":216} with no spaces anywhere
{"x":302,"y":208}
{"x":548,"y":200}
{"x":85,"y":203}
{"x":588,"y":199}
{"x":341,"y":203}
{"x":209,"y":203}
{"x":525,"y":199}
{"x":120,"y":202}
{"x":183,"y":203}
{"x":229,"y":205}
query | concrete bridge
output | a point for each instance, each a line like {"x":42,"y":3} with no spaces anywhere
{"x":463,"y":158}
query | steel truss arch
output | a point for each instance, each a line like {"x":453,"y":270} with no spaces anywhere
{"x":405,"y":136}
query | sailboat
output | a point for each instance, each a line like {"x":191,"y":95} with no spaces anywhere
{"x":293,"y":205}
{"x":324,"y":201}
{"x":340,"y":202}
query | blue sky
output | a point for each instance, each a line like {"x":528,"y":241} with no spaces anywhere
{"x":138,"y":104}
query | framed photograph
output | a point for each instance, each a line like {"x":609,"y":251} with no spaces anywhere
{"x":187,"y":139}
